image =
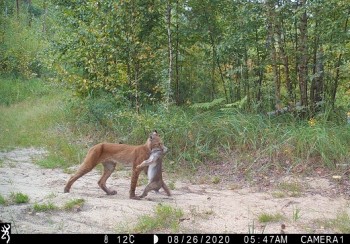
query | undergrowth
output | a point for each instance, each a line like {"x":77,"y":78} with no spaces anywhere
{"x":37,"y":116}
{"x":195,"y":136}
{"x":46,"y":115}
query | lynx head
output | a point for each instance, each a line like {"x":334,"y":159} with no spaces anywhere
{"x":154,"y":140}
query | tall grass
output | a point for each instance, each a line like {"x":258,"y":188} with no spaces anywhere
{"x":47,"y":116}
{"x":195,"y":136}
{"x":34,"y":114}
{"x":13,"y":90}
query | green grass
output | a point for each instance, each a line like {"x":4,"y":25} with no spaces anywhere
{"x":73,"y":204}
{"x":165,"y":218}
{"x":172,"y":185}
{"x":267,"y":217}
{"x":40,"y":114}
{"x":340,"y":224}
{"x":296,"y":213}
{"x":2,"y":200}
{"x":45,"y":207}
{"x":216,"y":180}
{"x":15,"y":90}
{"x":18,"y":197}
{"x":196,"y":136}
{"x":292,"y":189}
{"x":40,"y":119}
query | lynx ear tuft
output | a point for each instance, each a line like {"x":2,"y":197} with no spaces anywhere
{"x":154,"y":133}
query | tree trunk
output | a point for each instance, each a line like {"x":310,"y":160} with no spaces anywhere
{"x":303,"y":56}
{"x":29,"y":13}
{"x":285,"y":60}
{"x":44,"y":16}
{"x":271,"y":33}
{"x":259,"y":71}
{"x":337,"y":74}
{"x":316,"y":88}
{"x":170,"y":56}
{"x":215,"y":61}
{"x":246,"y":78}
{"x":136,"y":82}
{"x":177,"y":78}
{"x":17,"y":8}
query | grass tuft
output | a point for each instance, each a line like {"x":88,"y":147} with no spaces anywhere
{"x":18,"y":197}
{"x":165,"y":217}
{"x":74,"y":204}
{"x":267,"y":217}
{"x":340,"y":224}
{"x":45,"y":207}
{"x":292,"y":189}
{"x":2,"y":200}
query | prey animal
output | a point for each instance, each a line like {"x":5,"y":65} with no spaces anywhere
{"x":154,"y":173}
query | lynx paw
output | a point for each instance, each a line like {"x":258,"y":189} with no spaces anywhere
{"x":135,"y":197}
{"x":112,"y":193}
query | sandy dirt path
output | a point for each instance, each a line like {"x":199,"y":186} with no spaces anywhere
{"x":207,"y":208}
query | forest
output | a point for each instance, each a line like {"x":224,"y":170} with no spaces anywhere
{"x":214,"y":75}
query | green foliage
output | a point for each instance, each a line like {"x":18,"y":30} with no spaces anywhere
{"x":115,"y":56}
{"x":121,"y":48}
{"x":45,"y":207}
{"x":296,"y":213}
{"x":293,"y":189}
{"x":194,"y":137}
{"x":45,"y":118}
{"x":37,"y":115}
{"x":104,"y":45}
{"x":165,"y":217}
{"x":21,"y":42}
{"x":73,"y":203}
{"x":15,"y":90}
{"x":267,"y":217}
{"x":209,"y":105}
{"x":2,"y":200}
{"x":18,"y":197}
{"x":340,"y":224}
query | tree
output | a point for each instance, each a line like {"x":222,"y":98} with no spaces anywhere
{"x":268,"y":54}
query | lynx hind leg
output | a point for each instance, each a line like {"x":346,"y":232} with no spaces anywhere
{"x":151,"y":186}
{"x":81,"y":171}
{"x":108,"y":168}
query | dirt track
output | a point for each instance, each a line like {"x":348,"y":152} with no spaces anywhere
{"x":207,"y":208}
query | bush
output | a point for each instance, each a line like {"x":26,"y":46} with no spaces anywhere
{"x":194,"y":137}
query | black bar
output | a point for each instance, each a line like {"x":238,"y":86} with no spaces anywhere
{"x":82,"y":238}
{"x":182,"y":238}
{"x":254,"y":238}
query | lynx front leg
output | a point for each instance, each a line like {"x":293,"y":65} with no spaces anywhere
{"x":108,"y":170}
{"x":134,"y":179}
